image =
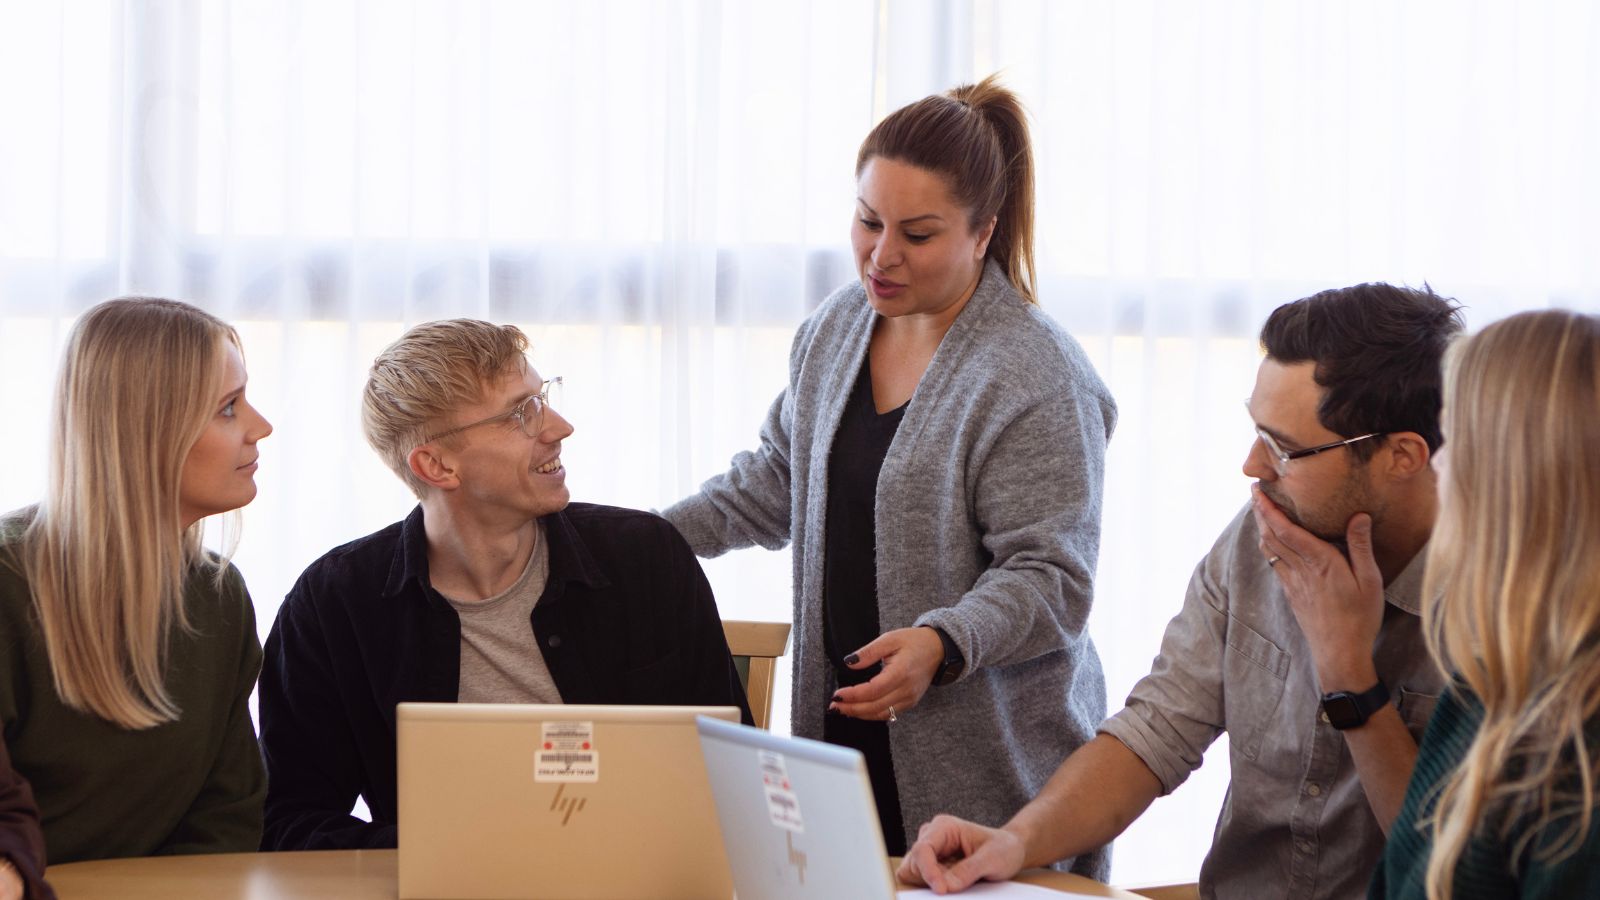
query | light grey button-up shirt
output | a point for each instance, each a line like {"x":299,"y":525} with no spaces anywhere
{"x":1295,"y":822}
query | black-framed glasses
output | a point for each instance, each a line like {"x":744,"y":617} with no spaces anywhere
{"x":1281,"y":457}
{"x":529,"y":414}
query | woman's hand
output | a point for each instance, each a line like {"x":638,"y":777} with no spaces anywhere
{"x":910,"y":657}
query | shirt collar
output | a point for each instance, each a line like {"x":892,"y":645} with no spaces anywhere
{"x":1405,"y":591}
{"x":410,"y":561}
{"x":570,"y":559}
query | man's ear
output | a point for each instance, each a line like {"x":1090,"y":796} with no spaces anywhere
{"x":434,"y":470}
{"x":1407,"y":455}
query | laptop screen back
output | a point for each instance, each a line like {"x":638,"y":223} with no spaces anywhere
{"x":797,"y":816}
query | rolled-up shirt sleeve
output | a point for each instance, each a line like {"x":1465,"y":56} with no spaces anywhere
{"x":1177,"y":711}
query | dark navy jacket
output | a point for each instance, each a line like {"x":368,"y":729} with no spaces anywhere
{"x":626,"y":617}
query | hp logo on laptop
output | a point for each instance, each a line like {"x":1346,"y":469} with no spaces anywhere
{"x":566,"y":806}
{"x":797,"y":858}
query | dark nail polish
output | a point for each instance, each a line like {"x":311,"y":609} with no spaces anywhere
{"x":852,"y":659}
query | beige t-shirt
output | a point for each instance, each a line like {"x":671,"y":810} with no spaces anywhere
{"x":500,"y":657}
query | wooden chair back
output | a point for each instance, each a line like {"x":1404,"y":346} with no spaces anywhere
{"x":756,"y":647}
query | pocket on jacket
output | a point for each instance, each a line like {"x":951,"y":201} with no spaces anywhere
{"x":1416,"y":708}
{"x":655,"y":683}
{"x":1254,"y":672}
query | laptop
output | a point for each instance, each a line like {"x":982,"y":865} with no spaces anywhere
{"x":797,"y":816}
{"x":513,"y":801}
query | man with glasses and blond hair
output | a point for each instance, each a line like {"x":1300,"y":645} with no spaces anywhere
{"x":493,"y":590}
{"x":1299,"y":636}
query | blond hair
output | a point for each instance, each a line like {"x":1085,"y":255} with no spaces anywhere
{"x":425,"y":377}
{"x":975,"y":136}
{"x":1515,"y":562}
{"x":106,"y":554}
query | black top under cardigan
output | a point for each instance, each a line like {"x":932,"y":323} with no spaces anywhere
{"x":850,"y":590}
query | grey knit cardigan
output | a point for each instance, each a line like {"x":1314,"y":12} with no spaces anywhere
{"x":988,"y":526}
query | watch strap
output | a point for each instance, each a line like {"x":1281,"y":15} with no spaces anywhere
{"x":1345,"y":710}
{"x":954,"y":662}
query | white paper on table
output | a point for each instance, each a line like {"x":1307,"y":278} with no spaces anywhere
{"x":998,"y":890}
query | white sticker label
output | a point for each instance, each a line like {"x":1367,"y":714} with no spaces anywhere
{"x":566,"y":752}
{"x":782,"y":805}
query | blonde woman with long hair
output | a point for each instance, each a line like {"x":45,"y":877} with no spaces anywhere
{"x":1502,"y":801}
{"x":127,"y":652}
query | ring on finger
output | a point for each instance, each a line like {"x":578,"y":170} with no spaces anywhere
{"x":1273,"y":560}
{"x":892,"y":716}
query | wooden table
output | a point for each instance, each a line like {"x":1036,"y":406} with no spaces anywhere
{"x":343,"y":874}
{"x":340,"y":874}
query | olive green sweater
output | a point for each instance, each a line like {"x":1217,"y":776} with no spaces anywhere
{"x":1486,"y":866}
{"x":195,"y":785}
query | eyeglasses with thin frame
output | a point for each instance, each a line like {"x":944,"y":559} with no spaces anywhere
{"x":529,"y":413}
{"x":1281,"y":457}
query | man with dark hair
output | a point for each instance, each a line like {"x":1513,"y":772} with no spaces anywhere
{"x":1299,"y":635}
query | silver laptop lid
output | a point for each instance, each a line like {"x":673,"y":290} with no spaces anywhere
{"x":797,"y":816}
{"x":518,"y":801}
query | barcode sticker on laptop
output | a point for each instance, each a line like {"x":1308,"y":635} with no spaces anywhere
{"x":566,"y":752}
{"x":782,"y":805}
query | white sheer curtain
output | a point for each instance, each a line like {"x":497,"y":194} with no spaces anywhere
{"x":659,"y":191}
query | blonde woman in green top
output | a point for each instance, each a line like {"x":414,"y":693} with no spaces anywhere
{"x":1502,"y":800}
{"x":127,"y":652}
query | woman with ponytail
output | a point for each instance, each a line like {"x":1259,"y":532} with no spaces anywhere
{"x":1502,"y":800}
{"x":937,"y":461}
{"x":127,"y":652}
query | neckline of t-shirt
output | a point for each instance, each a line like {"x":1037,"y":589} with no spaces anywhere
{"x":489,"y":604}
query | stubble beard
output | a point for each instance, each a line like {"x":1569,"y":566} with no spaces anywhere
{"x":1330,"y":520}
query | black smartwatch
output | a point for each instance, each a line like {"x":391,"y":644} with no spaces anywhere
{"x":954,"y":663}
{"x":1345,"y":710}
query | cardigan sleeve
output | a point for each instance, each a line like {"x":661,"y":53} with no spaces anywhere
{"x":750,"y":504}
{"x":21,"y":840}
{"x":1036,"y":500}
{"x":226,"y":815}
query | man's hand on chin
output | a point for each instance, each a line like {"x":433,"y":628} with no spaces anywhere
{"x":1337,"y":600}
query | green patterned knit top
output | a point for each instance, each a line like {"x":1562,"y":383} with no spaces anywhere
{"x":1487,"y":868}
